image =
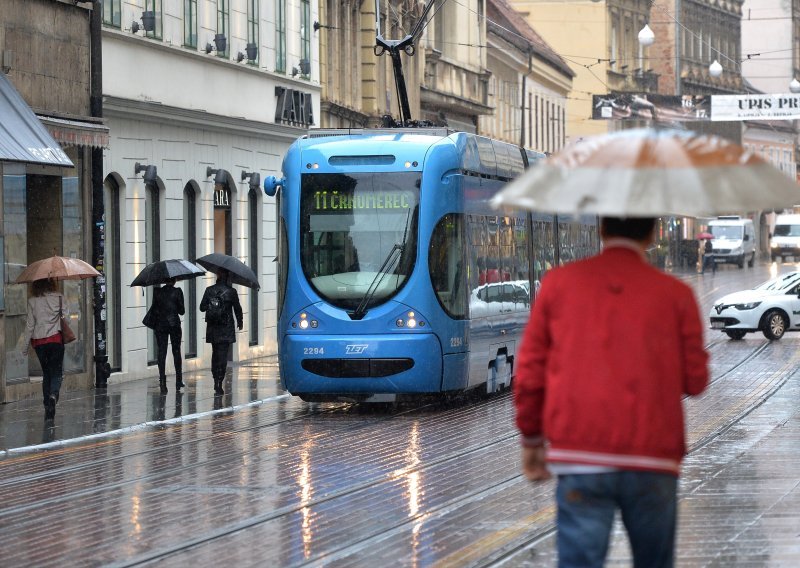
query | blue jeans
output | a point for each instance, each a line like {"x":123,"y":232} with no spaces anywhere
{"x":51,"y":358}
{"x":586,"y":507}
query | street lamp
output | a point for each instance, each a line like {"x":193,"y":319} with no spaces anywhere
{"x":646,"y":36}
{"x":715,"y":69}
{"x":794,"y":86}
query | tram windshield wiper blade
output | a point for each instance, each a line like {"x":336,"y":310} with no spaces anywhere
{"x":388,"y":263}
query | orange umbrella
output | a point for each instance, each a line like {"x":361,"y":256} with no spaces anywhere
{"x":651,"y":172}
{"x":58,"y":268}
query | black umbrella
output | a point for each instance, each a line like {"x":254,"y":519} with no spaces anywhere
{"x":239,"y":272}
{"x":163,"y":270}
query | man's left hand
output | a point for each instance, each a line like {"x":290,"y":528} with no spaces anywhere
{"x":534,"y":465}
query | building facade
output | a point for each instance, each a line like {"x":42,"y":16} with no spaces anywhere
{"x":529,"y":83}
{"x":211,"y":93}
{"x":46,"y":196}
{"x":600,"y":46}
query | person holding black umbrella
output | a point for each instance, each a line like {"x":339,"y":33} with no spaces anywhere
{"x":220,"y":302}
{"x":168,"y":307}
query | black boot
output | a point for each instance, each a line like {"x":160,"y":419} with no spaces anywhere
{"x":179,"y":382}
{"x":218,"y":386}
{"x":162,"y":382}
{"x":50,"y":407}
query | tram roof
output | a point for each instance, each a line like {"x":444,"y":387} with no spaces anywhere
{"x":478,"y":154}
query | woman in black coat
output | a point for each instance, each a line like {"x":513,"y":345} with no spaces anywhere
{"x":168,"y":307}
{"x":220,"y":332}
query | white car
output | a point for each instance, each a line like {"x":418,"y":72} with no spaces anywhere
{"x":772,"y":308}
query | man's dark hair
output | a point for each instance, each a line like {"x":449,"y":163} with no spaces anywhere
{"x":636,"y":228}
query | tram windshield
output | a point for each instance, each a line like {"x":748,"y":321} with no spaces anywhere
{"x":358,"y":235}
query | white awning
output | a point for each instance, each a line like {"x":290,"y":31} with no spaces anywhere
{"x":23,"y":138}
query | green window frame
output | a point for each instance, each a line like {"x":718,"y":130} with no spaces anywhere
{"x":156,"y":7}
{"x":305,"y":37}
{"x":252,"y":26}
{"x":190,"y":23}
{"x":112,"y":13}
{"x":223,"y":24}
{"x":280,"y":36}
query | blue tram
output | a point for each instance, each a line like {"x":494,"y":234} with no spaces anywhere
{"x":395,"y":276}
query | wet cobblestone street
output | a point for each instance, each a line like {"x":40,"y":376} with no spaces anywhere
{"x":260,"y":478}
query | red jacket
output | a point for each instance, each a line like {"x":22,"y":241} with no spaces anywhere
{"x":612,"y":346}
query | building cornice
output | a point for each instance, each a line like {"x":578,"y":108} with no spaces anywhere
{"x":156,"y":112}
{"x":439,"y":99}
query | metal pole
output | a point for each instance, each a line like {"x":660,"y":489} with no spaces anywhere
{"x":678,"y":48}
{"x":102,"y":368}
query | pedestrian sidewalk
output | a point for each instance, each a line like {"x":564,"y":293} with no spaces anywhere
{"x":133,"y":404}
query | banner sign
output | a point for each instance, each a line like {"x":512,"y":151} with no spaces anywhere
{"x":755,"y":107}
{"x":669,"y":108}
{"x":639,"y":106}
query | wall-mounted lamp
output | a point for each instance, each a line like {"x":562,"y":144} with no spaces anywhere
{"x":317,"y":26}
{"x":239,"y":57}
{"x":794,"y":86}
{"x":150,"y":172}
{"x":220,"y":175}
{"x":254,"y":177}
{"x":252,"y":51}
{"x":295,"y":71}
{"x":148,"y":22}
{"x":220,"y":44}
{"x":715,"y":69}
{"x":305,"y":67}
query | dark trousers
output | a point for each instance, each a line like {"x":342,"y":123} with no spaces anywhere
{"x":219,"y":360}
{"x":51,"y":358}
{"x":173,"y":334}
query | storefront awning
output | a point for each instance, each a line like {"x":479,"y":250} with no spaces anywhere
{"x":23,"y":138}
{"x":76,"y":132}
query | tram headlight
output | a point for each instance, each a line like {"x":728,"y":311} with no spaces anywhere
{"x":306,"y":322}
{"x":409,"y":320}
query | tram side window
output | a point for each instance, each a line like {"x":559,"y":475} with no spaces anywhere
{"x":446,"y":265}
{"x":283,"y":264}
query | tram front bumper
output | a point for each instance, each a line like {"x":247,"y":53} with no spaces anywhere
{"x":335,"y":364}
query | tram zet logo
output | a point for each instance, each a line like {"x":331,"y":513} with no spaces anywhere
{"x":356,"y":349}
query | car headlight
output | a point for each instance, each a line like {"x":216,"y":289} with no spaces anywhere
{"x":747,"y":306}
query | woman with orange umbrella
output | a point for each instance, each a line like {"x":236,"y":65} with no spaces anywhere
{"x":43,"y":328}
{"x":43,"y":333}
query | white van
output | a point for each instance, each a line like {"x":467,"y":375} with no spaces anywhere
{"x":785,"y":238}
{"x":734,"y":240}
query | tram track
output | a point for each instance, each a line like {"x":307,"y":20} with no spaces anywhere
{"x":493,"y":447}
{"x":464,"y":499}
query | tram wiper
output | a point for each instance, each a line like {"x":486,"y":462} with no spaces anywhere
{"x":391,"y":259}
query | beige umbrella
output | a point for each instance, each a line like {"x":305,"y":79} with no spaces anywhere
{"x":58,"y":268}
{"x":651,"y":173}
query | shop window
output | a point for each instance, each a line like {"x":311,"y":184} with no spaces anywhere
{"x":253,"y":203}
{"x":113,"y":273}
{"x":190,"y":285}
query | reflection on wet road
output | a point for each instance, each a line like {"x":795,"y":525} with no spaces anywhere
{"x":288,"y":483}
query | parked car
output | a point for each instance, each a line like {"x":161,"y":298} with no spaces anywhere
{"x":772,"y":308}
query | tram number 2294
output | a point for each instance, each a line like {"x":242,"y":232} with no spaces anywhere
{"x":313,"y":351}
{"x":456,"y":341}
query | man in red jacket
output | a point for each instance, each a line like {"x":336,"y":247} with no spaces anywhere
{"x":611,"y":348}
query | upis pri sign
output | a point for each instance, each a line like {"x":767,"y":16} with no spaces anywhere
{"x":755,"y":107}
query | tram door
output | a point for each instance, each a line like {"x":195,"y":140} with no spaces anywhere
{"x":223,"y":229}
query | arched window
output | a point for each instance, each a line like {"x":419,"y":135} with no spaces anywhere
{"x":190,"y":253}
{"x":113,"y":273}
{"x":252,"y":201}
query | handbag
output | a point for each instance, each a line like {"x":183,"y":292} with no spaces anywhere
{"x":149,"y":319}
{"x":67,"y":335}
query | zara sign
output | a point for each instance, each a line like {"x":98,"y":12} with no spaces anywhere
{"x":293,"y":107}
